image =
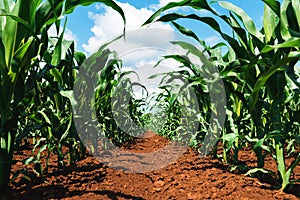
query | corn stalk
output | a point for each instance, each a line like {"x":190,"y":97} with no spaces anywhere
{"x":23,"y":43}
{"x":263,"y":62}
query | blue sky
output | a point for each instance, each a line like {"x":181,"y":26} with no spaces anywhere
{"x":95,"y":24}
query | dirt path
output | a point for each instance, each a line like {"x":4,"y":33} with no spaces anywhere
{"x":190,"y":177}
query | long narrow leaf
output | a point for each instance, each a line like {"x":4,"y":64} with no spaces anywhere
{"x":284,"y":25}
{"x":247,"y":21}
{"x":57,"y":53}
{"x":296,"y":7}
{"x":3,"y":67}
{"x":70,"y":5}
{"x":20,"y":20}
{"x":274,"y":5}
{"x":240,"y":51}
{"x":270,"y":22}
{"x":290,"y":43}
{"x":197,"y":4}
{"x":260,"y":83}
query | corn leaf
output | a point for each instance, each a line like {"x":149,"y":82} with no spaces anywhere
{"x":290,"y":43}
{"x":213,"y":24}
{"x":3,"y":67}
{"x":70,"y":95}
{"x":274,"y":5}
{"x":57,"y":53}
{"x":197,"y":4}
{"x":260,"y":83}
{"x":187,"y":32}
{"x":10,"y":34}
{"x":284,"y":25}
{"x":270,"y":22}
{"x":244,"y":17}
{"x":296,"y":7}
{"x":70,"y":5}
{"x":20,"y":20}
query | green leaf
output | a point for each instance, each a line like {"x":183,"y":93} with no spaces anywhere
{"x":57,"y":76}
{"x":296,"y":7}
{"x":291,"y":77}
{"x":270,"y":22}
{"x":70,"y":5}
{"x":284,"y":25}
{"x":242,"y":15}
{"x":45,"y":116}
{"x":260,"y":144}
{"x":79,"y":57}
{"x":196,"y":4}
{"x":9,"y":37}
{"x":240,"y":51}
{"x":19,"y":20}
{"x":29,"y":160}
{"x":3,"y":67}
{"x":23,"y":56}
{"x":255,"y":170}
{"x":187,"y":32}
{"x":67,"y":131}
{"x":230,"y":136}
{"x":7,"y":5}
{"x":260,"y":83}
{"x":57,"y":53}
{"x":66,"y":45}
{"x":242,"y":35}
{"x":70,"y":95}
{"x":291,"y":42}
{"x":274,"y":5}
{"x":166,"y":7}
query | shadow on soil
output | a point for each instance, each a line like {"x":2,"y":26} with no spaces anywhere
{"x":71,"y":175}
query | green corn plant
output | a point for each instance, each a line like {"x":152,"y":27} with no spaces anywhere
{"x":127,"y":107}
{"x":178,"y":109}
{"x":102,"y":87}
{"x":53,"y":111}
{"x":23,"y":43}
{"x":167,"y":114}
{"x":264,"y":61}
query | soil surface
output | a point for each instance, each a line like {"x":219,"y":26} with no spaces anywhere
{"x":188,"y":177}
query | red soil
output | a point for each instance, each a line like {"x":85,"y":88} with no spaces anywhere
{"x":189,"y":177}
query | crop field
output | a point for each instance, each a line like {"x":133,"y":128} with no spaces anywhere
{"x":72,"y":126}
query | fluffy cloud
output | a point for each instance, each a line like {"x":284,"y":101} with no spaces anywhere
{"x":164,"y":2}
{"x":213,"y":40}
{"x":109,"y":24}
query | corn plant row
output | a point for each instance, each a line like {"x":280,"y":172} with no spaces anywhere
{"x":35,"y":69}
{"x":260,"y":76}
{"x":258,"y":70}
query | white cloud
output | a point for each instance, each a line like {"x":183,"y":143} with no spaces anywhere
{"x":165,"y":2}
{"x":162,"y":3}
{"x":109,"y":24}
{"x":145,"y":70}
{"x":99,"y":6}
{"x":213,"y":40}
{"x":69,"y":35}
{"x":204,"y":12}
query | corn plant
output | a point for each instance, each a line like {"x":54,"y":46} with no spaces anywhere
{"x":115,"y":106}
{"x":185,"y":113}
{"x":23,"y":44}
{"x":52,"y":111}
{"x":258,"y":70}
{"x":105,"y":109}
